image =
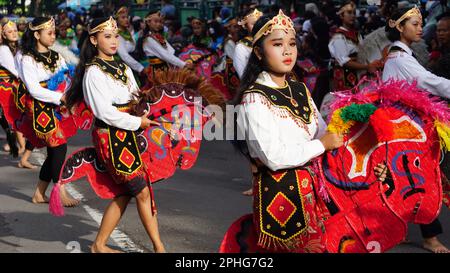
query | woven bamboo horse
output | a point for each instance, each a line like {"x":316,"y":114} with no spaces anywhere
{"x":174,"y":144}
{"x":391,"y":122}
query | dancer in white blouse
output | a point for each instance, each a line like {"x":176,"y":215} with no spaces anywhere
{"x":127,"y":44}
{"x":403,"y":28}
{"x":401,"y":64}
{"x":10,"y":59}
{"x":107,"y":86}
{"x":244,"y":46}
{"x":159,"y":53}
{"x":39,"y":64}
{"x":343,"y":48}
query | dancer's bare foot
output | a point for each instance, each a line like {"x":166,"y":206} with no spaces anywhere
{"x":159,"y":248}
{"x":6,"y":147}
{"x":39,"y":195}
{"x":248,"y":192}
{"x":434,"y":245}
{"x":96,"y":248}
{"x":67,"y":200}
{"x":38,"y":198}
{"x":26,"y":165}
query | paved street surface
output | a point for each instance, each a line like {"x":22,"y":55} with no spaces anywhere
{"x":195,"y":208}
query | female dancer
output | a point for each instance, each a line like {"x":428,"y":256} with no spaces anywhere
{"x":343,"y":48}
{"x":107,"y":86}
{"x":283,"y":131}
{"x":10,"y":56}
{"x":159,"y":53}
{"x":38,"y":65}
{"x":127,"y":44}
{"x":244,"y":46}
{"x":404,"y":28}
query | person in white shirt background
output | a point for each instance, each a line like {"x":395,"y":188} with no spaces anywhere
{"x":403,"y":28}
{"x":127,"y":42}
{"x":244,"y":46}
{"x":10,"y":59}
{"x":343,"y":48}
{"x":401,"y":64}
{"x":232,"y":38}
{"x":153,"y":46}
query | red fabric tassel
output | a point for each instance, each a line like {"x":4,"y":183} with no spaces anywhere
{"x":55,"y":205}
{"x":382,"y":125}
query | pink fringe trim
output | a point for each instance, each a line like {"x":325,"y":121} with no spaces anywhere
{"x":55,"y":207}
{"x":391,"y":92}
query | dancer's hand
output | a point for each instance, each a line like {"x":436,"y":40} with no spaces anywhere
{"x":146,"y":122}
{"x":332,"y":141}
{"x":380,"y":171}
{"x":374,"y":66}
{"x":189,"y":66}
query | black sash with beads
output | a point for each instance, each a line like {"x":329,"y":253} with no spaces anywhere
{"x":123,"y":146}
{"x":282,"y":215}
{"x":44,"y":120}
{"x":20,"y":96}
{"x":157,"y":64}
{"x":280,"y":97}
{"x":116,"y":69}
{"x":344,"y":78}
{"x":49,"y":60}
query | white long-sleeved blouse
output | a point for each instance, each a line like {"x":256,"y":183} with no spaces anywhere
{"x":101,"y":90}
{"x":401,"y":65}
{"x":7,"y":60}
{"x":240,"y":58}
{"x":124,"y":50}
{"x":274,"y":136}
{"x":167,"y":54}
{"x":33,"y":72}
{"x":341,"y":48}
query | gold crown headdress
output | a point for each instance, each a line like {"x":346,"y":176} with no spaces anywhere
{"x":110,"y":24}
{"x":49,"y":24}
{"x":231,"y":22}
{"x":7,"y":25}
{"x":348,"y":7}
{"x":121,"y":10}
{"x":197,"y":22}
{"x":256,"y":13}
{"x":156,"y":13}
{"x":281,"y":21}
{"x":22,"y":20}
{"x":410,"y":13}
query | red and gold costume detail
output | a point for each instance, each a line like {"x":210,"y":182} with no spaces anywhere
{"x":345,"y":78}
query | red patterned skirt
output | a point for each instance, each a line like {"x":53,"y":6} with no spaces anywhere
{"x":120,"y":152}
{"x":286,"y":216}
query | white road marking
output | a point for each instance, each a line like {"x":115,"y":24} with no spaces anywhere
{"x":120,"y":238}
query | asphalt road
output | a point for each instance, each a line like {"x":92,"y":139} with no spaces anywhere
{"x":195,"y":208}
